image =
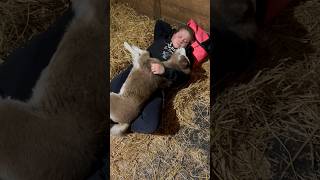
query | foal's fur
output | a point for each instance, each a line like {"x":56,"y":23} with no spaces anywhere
{"x":140,"y":85}
{"x":58,"y":134}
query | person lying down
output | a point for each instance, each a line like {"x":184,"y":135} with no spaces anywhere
{"x":166,"y":42}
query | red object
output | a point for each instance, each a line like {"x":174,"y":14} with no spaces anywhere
{"x":199,"y":53}
{"x":274,"y":7}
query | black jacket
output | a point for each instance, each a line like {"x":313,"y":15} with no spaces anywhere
{"x":162,"y":49}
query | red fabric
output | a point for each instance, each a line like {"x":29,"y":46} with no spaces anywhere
{"x":199,"y":53}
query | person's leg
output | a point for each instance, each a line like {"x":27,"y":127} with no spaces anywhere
{"x":149,"y":119}
{"x":22,"y":68}
{"x":117,"y":82}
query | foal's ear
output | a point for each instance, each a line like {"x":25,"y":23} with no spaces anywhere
{"x":127,"y":46}
{"x":133,"y":49}
{"x":130,"y":49}
{"x":138,"y":50}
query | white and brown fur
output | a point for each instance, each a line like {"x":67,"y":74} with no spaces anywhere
{"x":57,"y":134}
{"x":140,"y":84}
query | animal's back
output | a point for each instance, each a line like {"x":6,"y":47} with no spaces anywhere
{"x":123,"y":110}
{"x":141,"y":83}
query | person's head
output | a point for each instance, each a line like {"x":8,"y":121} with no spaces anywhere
{"x":182,"y":37}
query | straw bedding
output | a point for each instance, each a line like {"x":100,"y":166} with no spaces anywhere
{"x":22,"y":19}
{"x":180,"y":150}
{"x":268,"y":127}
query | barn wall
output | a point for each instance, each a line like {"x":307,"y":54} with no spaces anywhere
{"x":174,"y":11}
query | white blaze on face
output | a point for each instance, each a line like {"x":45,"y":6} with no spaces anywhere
{"x":181,"y":51}
{"x":182,"y":54}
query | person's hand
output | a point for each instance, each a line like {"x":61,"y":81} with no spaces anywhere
{"x":157,"y":68}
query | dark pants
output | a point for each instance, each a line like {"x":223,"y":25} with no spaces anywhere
{"x":149,"y":119}
{"x":20,"y":72}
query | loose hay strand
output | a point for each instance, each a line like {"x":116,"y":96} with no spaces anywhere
{"x":22,"y":19}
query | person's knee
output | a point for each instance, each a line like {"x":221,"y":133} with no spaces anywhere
{"x":149,"y":119}
{"x":150,"y":128}
{"x":117,"y":82}
{"x":146,"y":125}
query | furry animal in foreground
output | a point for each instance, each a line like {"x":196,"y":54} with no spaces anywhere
{"x":59,"y":133}
{"x":140,"y":85}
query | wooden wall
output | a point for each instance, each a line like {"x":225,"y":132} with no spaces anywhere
{"x":174,"y":11}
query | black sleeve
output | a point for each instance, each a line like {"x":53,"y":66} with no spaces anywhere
{"x":162,"y":29}
{"x":189,"y":51}
{"x":207,"y":45}
{"x":178,"y":78}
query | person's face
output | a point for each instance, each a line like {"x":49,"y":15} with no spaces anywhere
{"x":181,"y":39}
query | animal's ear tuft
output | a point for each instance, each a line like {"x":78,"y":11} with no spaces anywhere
{"x":137,"y":50}
{"x":126,"y":45}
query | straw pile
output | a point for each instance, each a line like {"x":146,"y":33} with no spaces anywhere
{"x":269,"y":128}
{"x":22,"y":19}
{"x":181,"y":151}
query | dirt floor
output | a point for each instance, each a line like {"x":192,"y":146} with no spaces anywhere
{"x":266,"y":123}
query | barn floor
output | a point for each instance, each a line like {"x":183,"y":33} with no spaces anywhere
{"x":266,"y":122}
{"x":180,"y":149}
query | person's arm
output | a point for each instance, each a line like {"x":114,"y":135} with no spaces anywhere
{"x":177,"y":77}
{"x":162,"y":29}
